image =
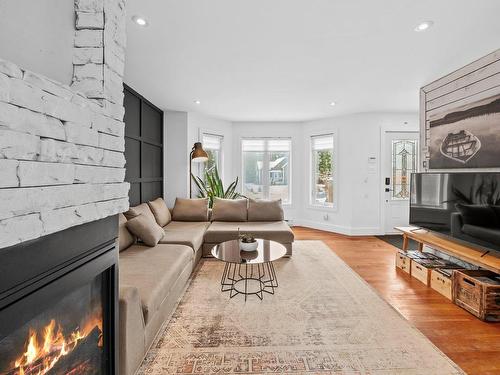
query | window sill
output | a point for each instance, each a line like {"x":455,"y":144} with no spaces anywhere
{"x":322,"y":208}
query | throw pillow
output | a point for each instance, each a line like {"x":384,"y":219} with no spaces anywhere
{"x":478,"y":214}
{"x":160,"y":211}
{"x":229,"y":209}
{"x":142,"y":209}
{"x":265,"y":210}
{"x":125,"y":238}
{"x":190,"y":209}
{"x":146,"y":229}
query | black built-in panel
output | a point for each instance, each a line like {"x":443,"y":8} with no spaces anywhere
{"x":143,"y":148}
{"x":153,"y":154}
{"x":152,"y":190}
{"x":154,"y":119}
{"x":132,"y":117}
{"x":133,"y":157}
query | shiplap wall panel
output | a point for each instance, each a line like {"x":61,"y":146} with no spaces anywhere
{"x":437,"y":112}
{"x":478,"y":75}
{"x":465,"y":92}
{"x":475,"y":81}
{"x":462,"y":72}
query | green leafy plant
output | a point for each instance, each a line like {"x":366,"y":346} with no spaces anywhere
{"x":247,"y":238}
{"x":212,"y":187}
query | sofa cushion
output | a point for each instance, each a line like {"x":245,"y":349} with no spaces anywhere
{"x":143,"y":209}
{"x":265,"y":210}
{"x":153,"y":271}
{"x":190,"y":209}
{"x":278,"y":231}
{"x":480,"y":215}
{"x":160,"y":211}
{"x":146,"y":229}
{"x":125,"y":238}
{"x":185,"y":233}
{"x":229,"y":209}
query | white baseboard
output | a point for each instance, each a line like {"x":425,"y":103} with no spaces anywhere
{"x":341,"y":229}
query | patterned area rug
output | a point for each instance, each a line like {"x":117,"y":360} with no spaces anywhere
{"x":323,"y":319}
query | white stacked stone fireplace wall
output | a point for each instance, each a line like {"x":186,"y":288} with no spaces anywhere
{"x":62,"y":147}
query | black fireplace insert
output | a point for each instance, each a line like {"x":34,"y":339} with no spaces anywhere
{"x":58,"y":303}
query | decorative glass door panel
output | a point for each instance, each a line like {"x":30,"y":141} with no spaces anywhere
{"x":404,"y":163}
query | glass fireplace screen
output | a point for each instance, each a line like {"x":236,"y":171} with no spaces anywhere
{"x":66,"y":338}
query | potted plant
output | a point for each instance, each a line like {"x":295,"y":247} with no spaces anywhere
{"x":248,"y":242}
{"x":211,"y":186}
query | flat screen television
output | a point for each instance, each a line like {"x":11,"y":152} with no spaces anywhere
{"x":464,"y":206}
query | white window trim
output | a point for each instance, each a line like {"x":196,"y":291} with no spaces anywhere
{"x":335,"y":161}
{"x":215,"y":133}
{"x":290,"y":162}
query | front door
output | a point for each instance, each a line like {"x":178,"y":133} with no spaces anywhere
{"x":400,"y":160}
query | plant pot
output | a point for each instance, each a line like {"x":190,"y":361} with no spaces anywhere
{"x":249,"y":246}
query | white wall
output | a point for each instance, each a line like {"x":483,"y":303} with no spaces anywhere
{"x":49,"y":36}
{"x":176,"y":156}
{"x":358,"y":194}
{"x":358,"y":137}
{"x":182,"y":130}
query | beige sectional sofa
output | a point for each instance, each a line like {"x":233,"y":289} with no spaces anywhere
{"x":153,"y":278}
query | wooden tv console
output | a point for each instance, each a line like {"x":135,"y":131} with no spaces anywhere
{"x":479,"y":257}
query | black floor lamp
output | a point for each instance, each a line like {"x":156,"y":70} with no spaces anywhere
{"x":197,"y":155}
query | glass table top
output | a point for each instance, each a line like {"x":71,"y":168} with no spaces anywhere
{"x":267,"y":251}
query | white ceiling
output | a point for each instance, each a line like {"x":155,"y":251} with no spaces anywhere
{"x":286,"y":60}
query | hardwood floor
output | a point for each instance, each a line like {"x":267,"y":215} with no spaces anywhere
{"x":471,"y":343}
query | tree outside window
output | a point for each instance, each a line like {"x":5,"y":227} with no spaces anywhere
{"x":322,"y":193}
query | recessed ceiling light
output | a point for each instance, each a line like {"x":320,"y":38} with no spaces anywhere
{"x":424,"y":26}
{"x":197,"y":102}
{"x":333,"y":104}
{"x":140,"y":20}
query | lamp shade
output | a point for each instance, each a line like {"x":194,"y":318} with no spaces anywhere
{"x":198,"y":154}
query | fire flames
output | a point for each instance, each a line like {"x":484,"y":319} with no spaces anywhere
{"x":44,"y":349}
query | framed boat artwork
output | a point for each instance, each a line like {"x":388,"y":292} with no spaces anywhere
{"x":466,"y":136}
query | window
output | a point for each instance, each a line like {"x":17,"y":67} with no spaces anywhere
{"x":404,"y":163}
{"x":266,"y":168}
{"x":323,"y":164}
{"x":212,"y":144}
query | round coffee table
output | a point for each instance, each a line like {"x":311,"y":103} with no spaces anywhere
{"x":249,"y":272}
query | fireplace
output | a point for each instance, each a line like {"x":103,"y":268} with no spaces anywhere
{"x":58,"y":303}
